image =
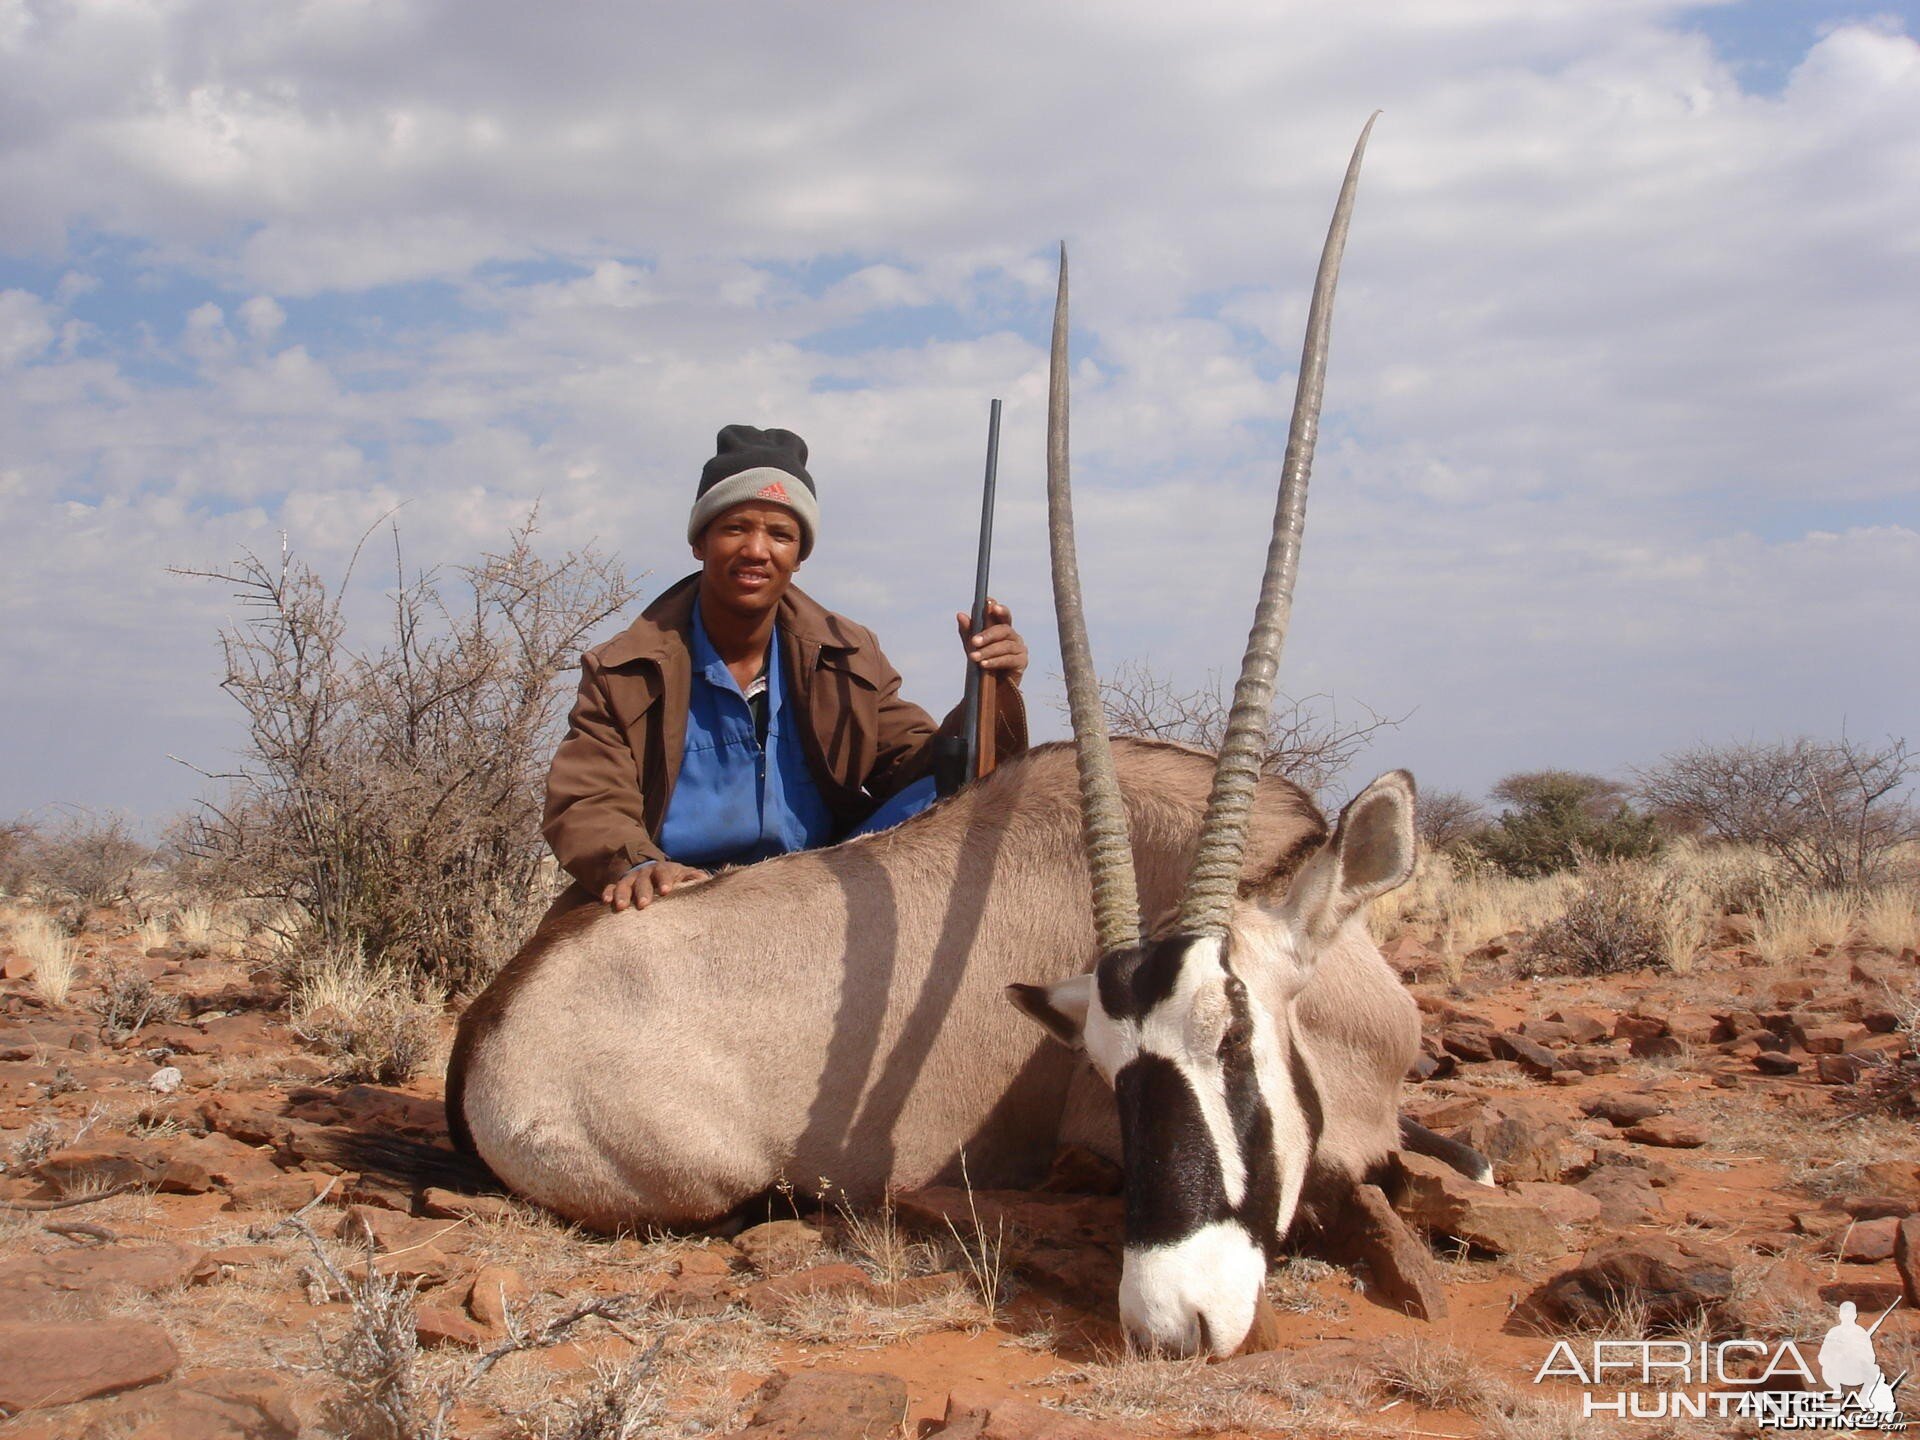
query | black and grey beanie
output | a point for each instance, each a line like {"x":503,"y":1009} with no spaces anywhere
{"x":751,"y":464}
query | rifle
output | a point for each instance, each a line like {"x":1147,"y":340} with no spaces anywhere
{"x":970,"y":755}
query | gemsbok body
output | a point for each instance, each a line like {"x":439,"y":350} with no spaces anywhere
{"x":841,"y":1015}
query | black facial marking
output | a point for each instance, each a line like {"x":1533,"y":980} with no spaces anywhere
{"x":1173,"y":1185}
{"x":1134,"y":980}
{"x":1247,"y":1108}
{"x":1174,"y":1181}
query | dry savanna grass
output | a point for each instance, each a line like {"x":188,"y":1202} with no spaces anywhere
{"x":54,"y":955}
{"x":1190,"y":1397}
{"x":1800,"y":921}
{"x":365,"y":1016}
{"x":1889,"y":918}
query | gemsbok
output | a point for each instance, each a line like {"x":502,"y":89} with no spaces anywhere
{"x":842,"y":1014}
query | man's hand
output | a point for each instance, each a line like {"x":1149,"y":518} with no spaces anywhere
{"x":999,"y":647}
{"x":640,"y":888}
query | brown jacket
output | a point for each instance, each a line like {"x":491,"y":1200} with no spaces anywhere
{"x":610,"y":780}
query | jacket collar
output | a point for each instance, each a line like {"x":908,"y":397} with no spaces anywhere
{"x":666,"y":626}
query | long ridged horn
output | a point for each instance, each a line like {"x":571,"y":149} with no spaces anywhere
{"x":1103,"y":816}
{"x":1215,"y":877}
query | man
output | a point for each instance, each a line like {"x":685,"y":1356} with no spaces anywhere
{"x":738,"y":719}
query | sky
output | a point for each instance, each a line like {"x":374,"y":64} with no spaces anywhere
{"x":1619,"y":448}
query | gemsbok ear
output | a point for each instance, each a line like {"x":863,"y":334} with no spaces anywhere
{"x":1060,"y":1010}
{"x":1372,"y":852}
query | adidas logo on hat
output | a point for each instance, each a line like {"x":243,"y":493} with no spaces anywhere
{"x":773,"y":491}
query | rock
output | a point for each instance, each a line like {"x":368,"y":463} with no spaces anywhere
{"x":1647,"y":1163}
{"x":495,"y":1289}
{"x":436,"y":1325}
{"x":1906,"y":1259}
{"x":1525,"y":1148}
{"x":1624,"y":1110}
{"x":815,"y":1405}
{"x":214,"y":1405}
{"x":1531,"y":1057}
{"x":1879,"y":1022}
{"x":779,"y":1246}
{"x":1634,"y":1026}
{"x":1832,"y":1069}
{"x":1438,"y":1199}
{"x":1467,"y":1043}
{"x":773,"y":1298}
{"x":1891,"y":1177}
{"x":44,"y":1365}
{"x":1657,"y":1047}
{"x":165,"y":1080}
{"x":1771,"y":1242}
{"x":1588,"y":1060}
{"x":423,"y":1266}
{"x":1583,"y":1027}
{"x":981,"y":1415}
{"x":1865,"y":1242}
{"x":1077,"y":1170}
{"x":449,"y":1205}
{"x":1625,"y":1194}
{"x":1675,"y":1283}
{"x":1405,"y":1277}
{"x":32,"y":1284}
{"x":1450,"y":1113}
{"x":1829,"y":1039}
{"x":388,"y":1232}
{"x":1546,"y":1032}
{"x":1669,"y":1132}
{"x":1771,"y":1062}
{"x":1562,"y":1204}
{"x":278,"y":1192}
{"x":1876,"y":1207}
{"x":79,"y":1169}
{"x":706,"y":1260}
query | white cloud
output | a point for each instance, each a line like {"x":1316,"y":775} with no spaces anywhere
{"x":26,"y":326}
{"x":1618,"y":449}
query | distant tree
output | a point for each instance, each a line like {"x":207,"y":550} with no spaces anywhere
{"x":1448,"y":819}
{"x":83,"y":858}
{"x":1834,"y":812}
{"x":1553,"y":819}
{"x":16,"y":840}
{"x":1306,"y":740}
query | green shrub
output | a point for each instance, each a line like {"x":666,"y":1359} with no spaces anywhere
{"x":1556,"y":818}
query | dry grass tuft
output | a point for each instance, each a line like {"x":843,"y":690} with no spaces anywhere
{"x":839,"y":1317}
{"x":1889,"y":918}
{"x":1799,"y":921}
{"x":1292,"y":1286}
{"x":54,"y":953}
{"x":364,"y":1016}
{"x":1438,"y":1376}
{"x":622,"y":1402}
{"x":1190,"y":1397}
{"x":195,"y":926}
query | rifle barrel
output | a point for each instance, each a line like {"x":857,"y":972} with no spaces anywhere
{"x":971,"y":694}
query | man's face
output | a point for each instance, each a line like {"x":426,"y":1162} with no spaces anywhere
{"x":747,"y":556}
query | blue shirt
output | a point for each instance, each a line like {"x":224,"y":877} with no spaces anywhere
{"x":736,"y":801}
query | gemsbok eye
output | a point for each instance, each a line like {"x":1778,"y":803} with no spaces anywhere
{"x":1238,"y":1036}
